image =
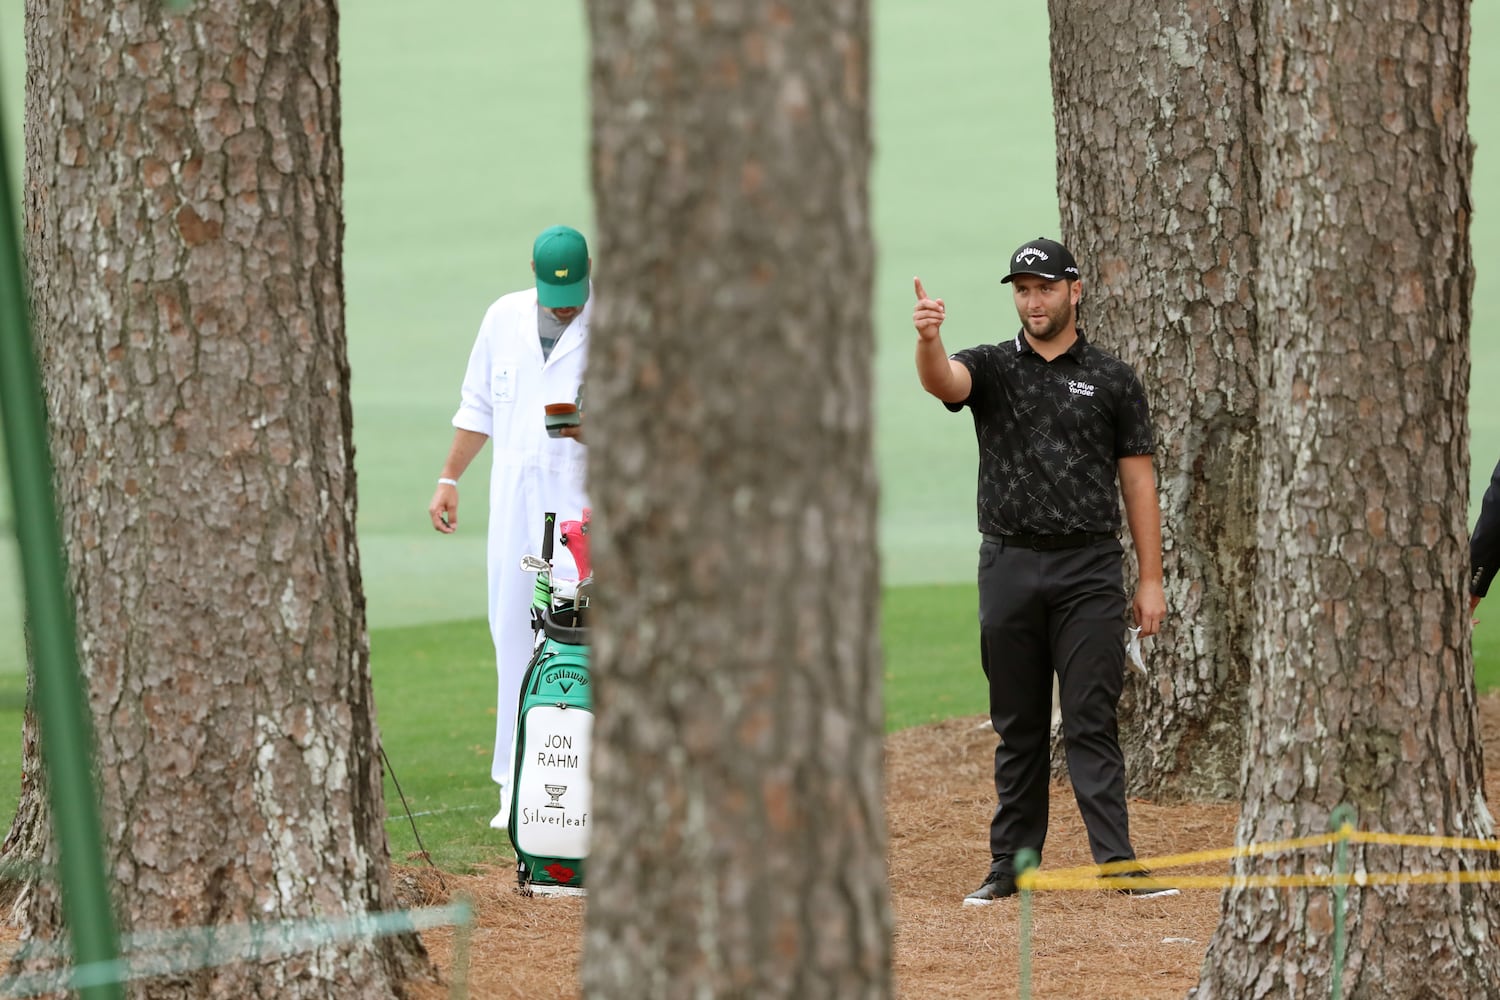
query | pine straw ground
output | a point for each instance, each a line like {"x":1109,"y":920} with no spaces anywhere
{"x":939,"y":797}
{"x":1085,"y":945}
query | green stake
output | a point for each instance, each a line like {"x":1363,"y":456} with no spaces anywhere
{"x":62,"y":712}
{"x":463,"y":935}
{"x":1341,"y":823}
{"x":1026,"y":862}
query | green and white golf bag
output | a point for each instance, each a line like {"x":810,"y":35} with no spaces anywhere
{"x":551,"y":794}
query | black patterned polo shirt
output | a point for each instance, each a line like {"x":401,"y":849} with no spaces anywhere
{"x":1051,"y":435}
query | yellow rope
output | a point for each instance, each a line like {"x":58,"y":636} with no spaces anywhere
{"x":1414,"y":840}
{"x":1041,"y":881}
{"x":1098,"y":876}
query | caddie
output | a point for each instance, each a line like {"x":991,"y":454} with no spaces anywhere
{"x":531,"y":351}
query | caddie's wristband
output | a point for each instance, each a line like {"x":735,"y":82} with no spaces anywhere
{"x":445,"y":481}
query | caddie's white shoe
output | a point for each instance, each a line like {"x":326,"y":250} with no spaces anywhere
{"x":502,"y":818}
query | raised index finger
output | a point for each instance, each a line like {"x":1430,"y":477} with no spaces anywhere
{"x":921,"y":292}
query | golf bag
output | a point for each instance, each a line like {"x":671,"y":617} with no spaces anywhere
{"x":551,"y":797}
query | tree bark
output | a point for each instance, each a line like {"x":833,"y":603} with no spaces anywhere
{"x":1159,"y":199}
{"x":740,"y":839}
{"x":26,"y":841}
{"x":184,"y":224}
{"x":1362,"y":686}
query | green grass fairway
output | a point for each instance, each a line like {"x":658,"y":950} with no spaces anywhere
{"x":435,"y":693}
{"x":931,"y":642}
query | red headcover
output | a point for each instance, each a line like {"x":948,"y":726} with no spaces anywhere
{"x":575,"y":535}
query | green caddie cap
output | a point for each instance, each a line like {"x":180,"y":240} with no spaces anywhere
{"x":561,"y":257}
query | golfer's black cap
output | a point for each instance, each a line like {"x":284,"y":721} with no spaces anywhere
{"x":1044,"y":258}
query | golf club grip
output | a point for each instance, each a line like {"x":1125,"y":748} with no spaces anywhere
{"x":549,"y":522}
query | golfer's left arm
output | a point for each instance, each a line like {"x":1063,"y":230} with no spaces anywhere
{"x":1143,"y":514}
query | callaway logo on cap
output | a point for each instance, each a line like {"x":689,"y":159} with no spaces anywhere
{"x":1044,"y":258}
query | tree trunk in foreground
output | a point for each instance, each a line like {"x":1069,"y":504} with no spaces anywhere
{"x":184,"y":224}
{"x":1160,"y":202}
{"x":1362,"y":688}
{"x":740,"y":845}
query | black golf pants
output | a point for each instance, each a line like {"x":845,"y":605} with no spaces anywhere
{"x":1059,"y":611}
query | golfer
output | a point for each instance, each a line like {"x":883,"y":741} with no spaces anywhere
{"x":1060,"y":423}
{"x":1484,"y":545}
{"x":531,"y":351}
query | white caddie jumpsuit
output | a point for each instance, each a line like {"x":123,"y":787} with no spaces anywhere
{"x":505,"y":391}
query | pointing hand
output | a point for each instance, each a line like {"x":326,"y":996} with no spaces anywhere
{"x":927,"y":317}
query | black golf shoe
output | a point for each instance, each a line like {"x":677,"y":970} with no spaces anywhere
{"x":997,"y":885}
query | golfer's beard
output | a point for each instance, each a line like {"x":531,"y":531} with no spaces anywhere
{"x":1055,"y":323}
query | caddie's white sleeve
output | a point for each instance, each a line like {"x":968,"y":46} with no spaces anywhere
{"x":475,"y":412}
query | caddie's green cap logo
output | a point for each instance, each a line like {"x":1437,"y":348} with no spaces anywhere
{"x":561,"y":258}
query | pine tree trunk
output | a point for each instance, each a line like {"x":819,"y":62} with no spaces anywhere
{"x":1362,"y":686}
{"x":740,"y":839}
{"x":1160,"y":203}
{"x":26,"y":842}
{"x":184,"y":225}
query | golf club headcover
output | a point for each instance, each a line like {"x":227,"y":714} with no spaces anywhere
{"x":575,"y":535}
